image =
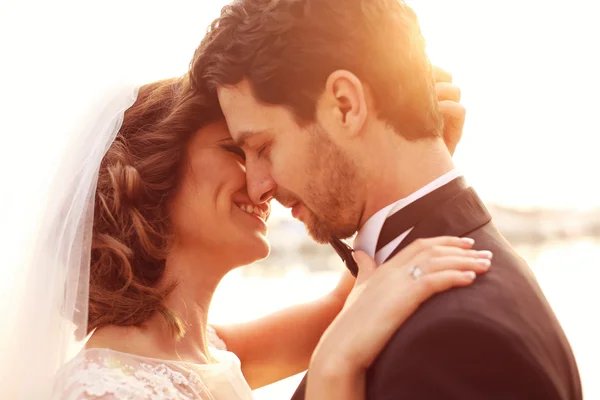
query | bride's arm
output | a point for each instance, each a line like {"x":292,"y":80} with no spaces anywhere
{"x":382,"y":300}
{"x":280,"y":344}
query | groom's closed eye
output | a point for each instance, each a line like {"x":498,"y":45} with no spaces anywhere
{"x":263,"y":150}
{"x":235,"y":150}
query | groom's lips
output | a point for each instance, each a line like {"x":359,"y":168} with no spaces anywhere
{"x":295,"y":207}
{"x":296,"y":210}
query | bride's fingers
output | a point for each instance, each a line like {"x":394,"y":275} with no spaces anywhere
{"x":440,"y":74}
{"x":448,"y":251}
{"x":424,"y":253}
{"x":421,"y":245}
{"x":458,"y":263}
{"x":447,"y":92}
{"x":437,"y":282}
{"x":366,"y":266}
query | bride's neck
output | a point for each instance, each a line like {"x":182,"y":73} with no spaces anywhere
{"x":196,"y":275}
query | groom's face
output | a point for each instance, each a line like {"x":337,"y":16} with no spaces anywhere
{"x":298,"y":165}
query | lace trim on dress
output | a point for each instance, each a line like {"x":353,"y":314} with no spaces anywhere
{"x":103,"y":374}
{"x":214,"y":339}
{"x":105,"y":379}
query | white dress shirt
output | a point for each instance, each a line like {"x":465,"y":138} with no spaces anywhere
{"x":366,"y":239}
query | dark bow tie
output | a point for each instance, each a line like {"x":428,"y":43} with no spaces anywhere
{"x":345,"y":252}
{"x":403,"y":220}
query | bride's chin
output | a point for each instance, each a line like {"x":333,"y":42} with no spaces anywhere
{"x":261,"y":248}
{"x":255,"y":249}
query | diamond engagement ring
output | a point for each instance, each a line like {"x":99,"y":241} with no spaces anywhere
{"x":415,"y":272}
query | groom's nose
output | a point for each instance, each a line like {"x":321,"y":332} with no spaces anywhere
{"x":260,"y":184}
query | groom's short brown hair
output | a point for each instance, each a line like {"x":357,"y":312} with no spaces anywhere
{"x":288,"y":48}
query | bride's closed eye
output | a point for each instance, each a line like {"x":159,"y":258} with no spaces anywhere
{"x":235,"y":150}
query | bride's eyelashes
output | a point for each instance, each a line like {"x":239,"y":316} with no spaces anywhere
{"x":235,"y":150}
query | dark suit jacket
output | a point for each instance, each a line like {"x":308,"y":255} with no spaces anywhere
{"x":495,"y":339}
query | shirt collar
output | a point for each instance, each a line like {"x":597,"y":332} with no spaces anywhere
{"x":368,"y":234}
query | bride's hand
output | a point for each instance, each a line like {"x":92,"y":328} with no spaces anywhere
{"x":382,"y":299}
{"x":453,"y":113}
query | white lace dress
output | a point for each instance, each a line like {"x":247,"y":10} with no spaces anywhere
{"x":103,"y":374}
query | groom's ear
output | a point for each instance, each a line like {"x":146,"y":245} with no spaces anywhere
{"x":342,"y":108}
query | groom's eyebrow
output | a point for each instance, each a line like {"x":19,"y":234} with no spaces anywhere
{"x":242,"y":140}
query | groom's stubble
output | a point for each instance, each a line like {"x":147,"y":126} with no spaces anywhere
{"x":329,"y":193}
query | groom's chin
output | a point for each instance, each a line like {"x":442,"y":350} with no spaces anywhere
{"x":323,"y":233}
{"x":319,"y":238}
{"x":317,"y":231}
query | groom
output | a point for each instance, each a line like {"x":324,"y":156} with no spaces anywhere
{"x":334,"y":104}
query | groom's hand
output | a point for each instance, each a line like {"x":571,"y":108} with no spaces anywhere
{"x":452,"y":111}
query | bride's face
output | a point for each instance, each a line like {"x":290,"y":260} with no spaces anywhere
{"x":211,"y":210}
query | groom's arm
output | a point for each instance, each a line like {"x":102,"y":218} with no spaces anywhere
{"x":457,"y":359}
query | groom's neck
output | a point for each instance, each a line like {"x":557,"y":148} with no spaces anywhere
{"x":402,"y":169}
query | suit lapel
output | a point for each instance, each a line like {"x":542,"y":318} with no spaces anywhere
{"x":459,"y":216}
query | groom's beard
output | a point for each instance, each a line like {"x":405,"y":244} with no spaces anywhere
{"x":330,"y":211}
{"x":321,"y":226}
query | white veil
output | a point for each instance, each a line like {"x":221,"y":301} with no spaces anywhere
{"x":61,"y":103}
{"x":45,"y":322}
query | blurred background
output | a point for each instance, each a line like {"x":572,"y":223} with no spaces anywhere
{"x":529,"y":75}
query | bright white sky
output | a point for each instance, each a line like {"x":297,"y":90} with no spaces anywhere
{"x":528,"y":71}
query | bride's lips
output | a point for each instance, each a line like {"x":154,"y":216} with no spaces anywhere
{"x":258,"y":212}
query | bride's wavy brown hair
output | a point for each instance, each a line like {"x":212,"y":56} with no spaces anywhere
{"x":138,"y":176}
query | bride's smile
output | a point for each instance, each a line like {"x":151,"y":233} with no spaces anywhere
{"x":255,"y":211}
{"x":211,"y":209}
